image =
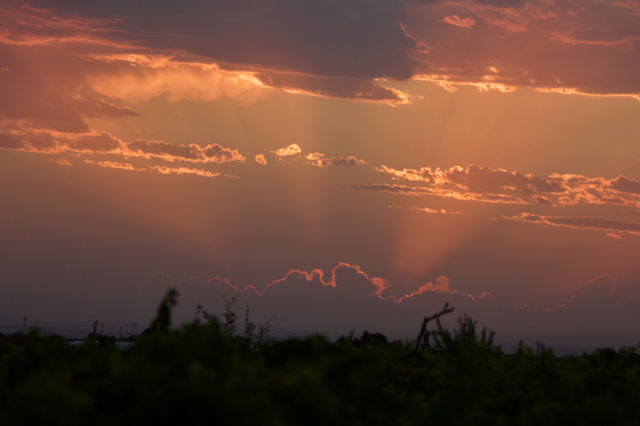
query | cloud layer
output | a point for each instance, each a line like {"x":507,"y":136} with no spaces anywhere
{"x":341,"y":48}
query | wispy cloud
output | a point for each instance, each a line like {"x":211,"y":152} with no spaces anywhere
{"x":184,"y":171}
{"x":427,"y":210}
{"x":114,"y":165}
{"x":163,"y":170}
{"x":578,"y":222}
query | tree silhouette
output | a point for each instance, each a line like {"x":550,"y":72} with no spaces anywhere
{"x":162,"y":321}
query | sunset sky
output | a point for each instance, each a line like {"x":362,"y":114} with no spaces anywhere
{"x":339,"y":164}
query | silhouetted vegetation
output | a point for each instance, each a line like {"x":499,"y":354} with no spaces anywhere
{"x":203,"y":374}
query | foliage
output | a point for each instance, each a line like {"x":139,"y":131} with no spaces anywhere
{"x":201,"y":374}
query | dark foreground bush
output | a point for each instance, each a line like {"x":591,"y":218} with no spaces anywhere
{"x":200,"y":375}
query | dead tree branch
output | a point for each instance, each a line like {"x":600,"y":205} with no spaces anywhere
{"x":424,"y":334}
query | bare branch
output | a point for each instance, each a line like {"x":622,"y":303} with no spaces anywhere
{"x":446,"y":310}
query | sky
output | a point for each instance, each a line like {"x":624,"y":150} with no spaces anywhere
{"x":338,"y":165}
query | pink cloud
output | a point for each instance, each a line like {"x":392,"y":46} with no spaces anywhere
{"x":378,"y":285}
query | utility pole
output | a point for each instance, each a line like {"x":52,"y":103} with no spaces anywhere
{"x":24,"y":324}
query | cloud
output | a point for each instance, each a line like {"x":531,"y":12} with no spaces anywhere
{"x":260,"y":159}
{"x":378,"y":286}
{"x":59,"y":71}
{"x":566,"y":43}
{"x":321,"y":160}
{"x":394,"y":189}
{"x":356,"y":299}
{"x":478,"y":183}
{"x":104,"y":143}
{"x":164,"y":170}
{"x":457,"y":21}
{"x":43,"y":87}
{"x":23,"y":25}
{"x":341,"y":48}
{"x":95,"y":107}
{"x":317,"y":159}
{"x":212,"y":153}
{"x":625,"y":185}
{"x":441,"y":285}
{"x":601,"y":312}
{"x":114,"y":165}
{"x":63,"y":162}
{"x":11,"y":141}
{"x":578,"y":222}
{"x":427,"y":210}
{"x":353,"y":38}
{"x":137,"y":77}
{"x":288,"y":151}
{"x":335,"y":87}
{"x":579,"y":189}
{"x":98,"y":143}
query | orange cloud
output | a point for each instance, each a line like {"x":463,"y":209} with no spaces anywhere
{"x":114,"y":165}
{"x":317,"y":159}
{"x":288,"y":151}
{"x":457,"y":21}
{"x":260,"y":159}
{"x":487,"y":82}
{"x":104,"y":143}
{"x":184,"y":171}
{"x":212,"y":153}
{"x":140,"y":77}
{"x":486,"y":184}
{"x":163,"y":170}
